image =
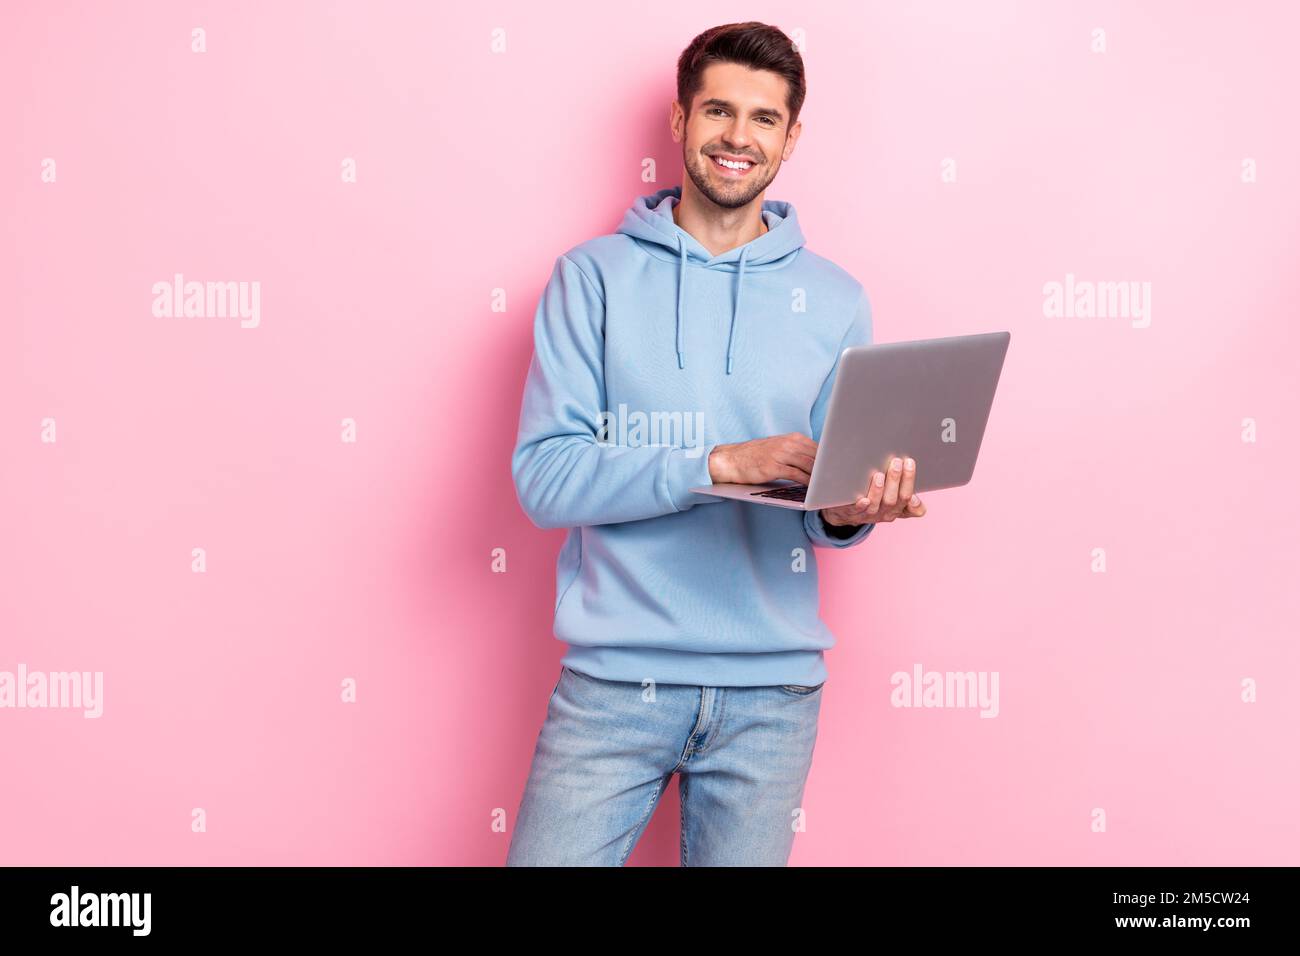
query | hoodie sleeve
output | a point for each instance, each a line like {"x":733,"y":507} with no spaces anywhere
{"x":563,"y":478}
{"x":819,"y":532}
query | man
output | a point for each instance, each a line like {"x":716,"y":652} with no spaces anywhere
{"x":695,"y":642}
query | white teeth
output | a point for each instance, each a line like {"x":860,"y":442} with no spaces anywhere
{"x":730,"y":165}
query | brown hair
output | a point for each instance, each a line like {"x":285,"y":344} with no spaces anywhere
{"x":758,"y":46}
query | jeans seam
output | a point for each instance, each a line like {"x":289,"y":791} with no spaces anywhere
{"x":636,"y":831}
{"x":717,"y":721}
{"x":682,"y":787}
{"x":686,"y":750}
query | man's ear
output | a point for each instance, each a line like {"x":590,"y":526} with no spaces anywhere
{"x":791,"y":138}
{"x":676,"y":121}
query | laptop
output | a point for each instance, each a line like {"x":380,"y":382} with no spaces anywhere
{"x":927,"y":399}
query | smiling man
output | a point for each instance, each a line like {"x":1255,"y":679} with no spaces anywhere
{"x":695,"y":645}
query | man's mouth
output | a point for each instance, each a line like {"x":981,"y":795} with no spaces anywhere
{"x":731,"y":166}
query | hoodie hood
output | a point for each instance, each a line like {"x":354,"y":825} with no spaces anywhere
{"x":650,"y":222}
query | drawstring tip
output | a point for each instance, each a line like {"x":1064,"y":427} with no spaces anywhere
{"x":728,"y":364}
{"x":681,"y":360}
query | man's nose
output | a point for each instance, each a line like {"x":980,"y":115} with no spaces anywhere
{"x":737,"y":137}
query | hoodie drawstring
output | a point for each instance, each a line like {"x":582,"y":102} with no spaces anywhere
{"x":735,"y":310}
{"x":681,"y":291}
{"x":681,"y":288}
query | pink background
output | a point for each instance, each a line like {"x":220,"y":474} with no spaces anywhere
{"x":329,"y":560}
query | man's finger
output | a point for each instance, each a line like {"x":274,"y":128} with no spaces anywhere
{"x":890,"y":499}
{"x":874,"y":492}
{"x":800,"y":460}
{"x":905,"y":486}
{"x":855,"y":513}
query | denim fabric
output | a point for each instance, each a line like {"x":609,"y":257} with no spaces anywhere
{"x":606,"y":753}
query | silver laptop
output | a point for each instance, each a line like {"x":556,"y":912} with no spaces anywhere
{"x":928,"y":399}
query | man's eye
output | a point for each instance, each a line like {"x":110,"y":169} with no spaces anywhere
{"x":766,"y":119}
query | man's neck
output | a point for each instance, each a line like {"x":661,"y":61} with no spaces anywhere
{"x":718,"y":230}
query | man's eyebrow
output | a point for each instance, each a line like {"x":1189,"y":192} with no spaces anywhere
{"x":727,"y":105}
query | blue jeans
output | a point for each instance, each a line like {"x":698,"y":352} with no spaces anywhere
{"x":606,"y":753}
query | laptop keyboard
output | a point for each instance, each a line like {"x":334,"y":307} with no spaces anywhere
{"x":790,"y":493}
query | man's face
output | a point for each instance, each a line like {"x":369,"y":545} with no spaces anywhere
{"x":738,"y":114}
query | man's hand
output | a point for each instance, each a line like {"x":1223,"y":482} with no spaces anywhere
{"x":764,"y":459}
{"x":888,"y":498}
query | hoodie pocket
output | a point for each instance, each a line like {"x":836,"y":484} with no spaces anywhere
{"x":569,"y":564}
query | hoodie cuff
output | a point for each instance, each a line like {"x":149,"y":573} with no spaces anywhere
{"x":689,"y":468}
{"x":820,"y":532}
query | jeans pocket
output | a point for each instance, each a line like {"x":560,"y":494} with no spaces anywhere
{"x":802,"y":690}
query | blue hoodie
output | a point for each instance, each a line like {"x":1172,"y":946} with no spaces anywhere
{"x":648,"y":352}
